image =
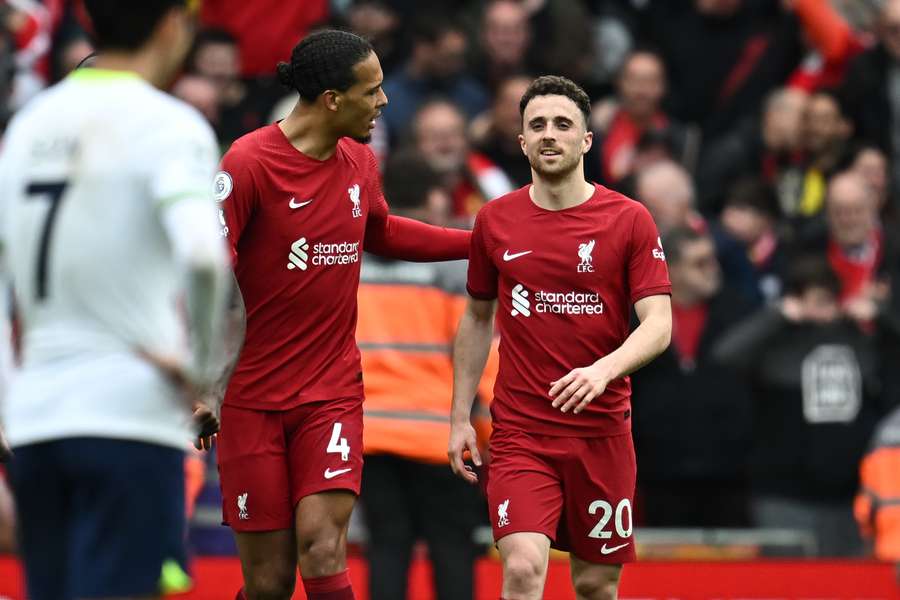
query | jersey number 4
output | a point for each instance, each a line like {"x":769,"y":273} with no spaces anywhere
{"x":338,"y":444}
{"x":53,"y":192}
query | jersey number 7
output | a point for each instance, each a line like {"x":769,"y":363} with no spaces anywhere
{"x":54,"y":192}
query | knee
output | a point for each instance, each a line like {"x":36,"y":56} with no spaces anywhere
{"x":270,"y":585}
{"x":322,"y":547}
{"x":523,"y":572}
{"x":597,"y":586}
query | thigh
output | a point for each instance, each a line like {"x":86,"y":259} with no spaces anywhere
{"x":128,"y":517}
{"x":599,"y":479}
{"x":42,"y":498}
{"x":324,"y":441}
{"x":524,"y":492}
{"x":253,"y":471}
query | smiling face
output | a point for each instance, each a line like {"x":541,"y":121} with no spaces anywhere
{"x":554,"y":136}
{"x":357,"y":108}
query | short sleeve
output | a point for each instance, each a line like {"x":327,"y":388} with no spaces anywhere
{"x":648,"y":274}
{"x":184,"y":155}
{"x":483,"y":274}
{"x":234,"y":190}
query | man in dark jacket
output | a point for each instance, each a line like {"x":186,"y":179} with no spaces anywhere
{"x":816,"y":401}
{"x":691,"y":417}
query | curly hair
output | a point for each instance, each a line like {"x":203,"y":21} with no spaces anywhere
{"x":553,"y":85}
{"x":322,"y":61}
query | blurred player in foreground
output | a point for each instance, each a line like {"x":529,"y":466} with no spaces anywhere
{"x":565,"y":260}
{"x":108,"y":225}
{"x":301,"y":199}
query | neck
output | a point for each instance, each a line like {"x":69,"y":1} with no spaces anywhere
{"x":304,"y":131}
{"x":140,"y":62}
{"x":563,"y":193}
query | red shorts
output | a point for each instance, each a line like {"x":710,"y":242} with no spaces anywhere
{"x":269,"y":460}
{"x":578,"y":492}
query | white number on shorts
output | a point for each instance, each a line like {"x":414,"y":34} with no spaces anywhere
{"x":599,"y":531}
{"x":338,"y":444}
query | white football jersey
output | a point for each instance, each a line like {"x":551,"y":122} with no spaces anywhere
{"x":87,"y":171}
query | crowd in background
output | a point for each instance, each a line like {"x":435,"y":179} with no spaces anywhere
{"x":762,"y":135}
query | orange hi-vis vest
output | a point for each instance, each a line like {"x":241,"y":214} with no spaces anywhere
{"x":408,"y":314}
{"x":877,"y":506}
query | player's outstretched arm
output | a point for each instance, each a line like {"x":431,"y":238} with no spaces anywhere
{"x":407,"y":239}
{"x":580,"y":386}
{"x":470,"y":352}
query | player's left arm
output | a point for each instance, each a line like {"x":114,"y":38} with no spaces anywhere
{"x":580,"y":386}
{"x":400,"y":238}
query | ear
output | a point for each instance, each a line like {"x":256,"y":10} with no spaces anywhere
{"x":332,"y":100}
{"x":587,"y":142}
{"x":522,"y":144}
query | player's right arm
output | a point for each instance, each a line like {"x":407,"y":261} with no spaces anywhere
{"x":471,"y":347}
{"x":470,"y":353}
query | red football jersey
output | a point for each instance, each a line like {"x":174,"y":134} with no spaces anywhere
{"x":295,"y":226}
{"x":565,"y":283}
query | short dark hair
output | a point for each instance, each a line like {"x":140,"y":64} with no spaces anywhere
{"x":810,"y":271}
{"x":673,"y":243}
{"x":206,"y":37}
{"x":754,"y":193}
{"x":553,"y":85}
{"x":408,"y":179}
{"x":323,"y":61}
{"x":118,"y":25}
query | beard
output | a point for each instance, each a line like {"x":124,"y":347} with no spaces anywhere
{"x":362,"y":139}
{"x":558,"y":171}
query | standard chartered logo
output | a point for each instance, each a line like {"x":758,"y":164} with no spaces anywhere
{"x":521,"y":305}
{"x":298,"y":255}
{"x":554,"y":303}
{"x":305,"y":253}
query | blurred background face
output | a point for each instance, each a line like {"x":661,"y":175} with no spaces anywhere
{"x":823,"y":125}
{"x":745,"y":223}
{"x":200,"y":93}
{"x":696,"y":273}
{"x":218,"y":62}
{"x":507,"y":120}
{"x":889,"y":27}
{"x":783,"y":120}
{"x":850,"y":210}
{"x":717,"y":8}
{"x":820,"y":305}
{"x":446,"y":57}
{"x":505,"y":32}
{"x":440,"y":131}
{"x":374,"y":22}
{"x":642,"y":85}
{"x":667,"y":192}
{"x":872,"y":165}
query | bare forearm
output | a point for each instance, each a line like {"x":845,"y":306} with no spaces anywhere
{"x":470,"y":352}
{"x":645,"y":343}
{"x":235,"y":327}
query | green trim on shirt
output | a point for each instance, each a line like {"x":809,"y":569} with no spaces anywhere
{"x":91,"y":74}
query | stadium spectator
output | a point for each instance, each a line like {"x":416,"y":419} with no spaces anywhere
{"x":693,"y":452}
{"x":202,"y":94}
{"x":496,"y":133}
{"x":751,"y":217}
{"x":436,"y":67}
{"x":872,"y":164}
{"x":668,"y":193}
{"x":814,"y":376}
{"x":870,"y":88}
{"x":768,"y":147}
{"x":408,"y":314}
{"x":636,"y":110}
{"x":505,"y":35}
{"x":440,"y":136}
{"x":381,"y":24}
{"x":722,"y":56}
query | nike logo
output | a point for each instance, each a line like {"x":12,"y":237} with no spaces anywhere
{"x":294,"y":204}
{"x":605,"y":550}
{"x":329,"y":474}
{"x":508,"y":257}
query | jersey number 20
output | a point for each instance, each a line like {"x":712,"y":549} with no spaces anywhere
{"x":54,"y":192}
